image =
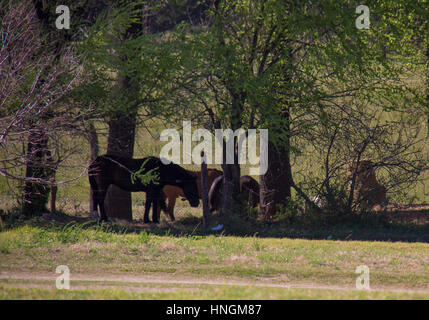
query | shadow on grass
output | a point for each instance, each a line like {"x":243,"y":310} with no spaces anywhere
{"x":370,"y":227}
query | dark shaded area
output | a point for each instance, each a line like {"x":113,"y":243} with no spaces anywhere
{"x":393,"y":227}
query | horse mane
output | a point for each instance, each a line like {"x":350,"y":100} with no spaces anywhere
{"x":128,"y":163}
{"x":187,"y":175}
{"x":193,"y":173}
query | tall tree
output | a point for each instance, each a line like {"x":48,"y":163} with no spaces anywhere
{"x":272,"y":64}
{"x":122,"y":120}
{"x":35,"y":75}
{"x":125,"y":47}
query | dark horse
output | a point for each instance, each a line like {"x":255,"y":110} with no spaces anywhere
{"x":121,"y":172}
{"x":249,"y":187}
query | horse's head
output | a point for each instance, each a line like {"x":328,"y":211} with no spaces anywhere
{"x":190,"y":190}
{"x":186,"y":180}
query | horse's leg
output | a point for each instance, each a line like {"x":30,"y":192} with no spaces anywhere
{"x":161,"y":204}
{"x":94,"y":206}
{"x":99,"y":188}
{"x":156,"y":196}
{"x":94,"y":192}
{"x":170,"y":207}
{"x":147,"y":206}
{"x":100,"y":200}
{"x":155,"y":211}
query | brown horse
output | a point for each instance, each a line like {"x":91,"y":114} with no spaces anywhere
{"x":368,"y":192}
{"x":121,"y":172}
{"x":172,"y":193}
{"x":248,"y":186}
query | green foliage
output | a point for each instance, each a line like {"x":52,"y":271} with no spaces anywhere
{"x":146,"y":176}
{"x":270,"y":64}
{"x":258,"y":60}
{"x":119,"y":53}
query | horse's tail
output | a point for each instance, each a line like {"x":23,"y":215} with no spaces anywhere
{"x":214,"y":193}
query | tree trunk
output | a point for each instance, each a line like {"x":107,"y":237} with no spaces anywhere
{"x":427,"y":84}
{"x":93,"y":144}
{"x":54,"y":190}
{"x":231,"y":172}
{"x":231,"y":183}
{"x":122,"y":127}
{"x":36,"y":190}
{"x":230,"y":188}
{"x":120,"y":142}
{"x":275,"y":186}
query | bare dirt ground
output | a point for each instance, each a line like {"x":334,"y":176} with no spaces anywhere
{"x":128,"y":282}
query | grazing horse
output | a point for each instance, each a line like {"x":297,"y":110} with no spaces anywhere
{"x":172,"y":193}
{"x":123,"y":173}
{"x":248,"y":186}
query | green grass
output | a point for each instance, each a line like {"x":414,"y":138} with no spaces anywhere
{"x":92,"y":250}
{"x":154,"y":291}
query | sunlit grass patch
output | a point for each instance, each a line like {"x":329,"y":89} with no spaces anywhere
{"x":91,"y":249}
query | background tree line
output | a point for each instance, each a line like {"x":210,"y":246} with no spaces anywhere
{"x":299,"y":68}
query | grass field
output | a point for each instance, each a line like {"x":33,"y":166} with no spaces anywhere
{"x":131,"y":290}
{"x":150,"y":262}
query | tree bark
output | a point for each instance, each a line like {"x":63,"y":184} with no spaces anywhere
{"x":36,"y":190}
{"x":94,"y":151}
{"x":120,"y":142}
{"x":427,"y":84}
{"x":231,"y":182}
{"x":54,"y":190}
{"x":231,"y":172}
{"x":275,"y":186}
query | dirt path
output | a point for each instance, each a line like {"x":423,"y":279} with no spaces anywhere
{"x":127,"y":281}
